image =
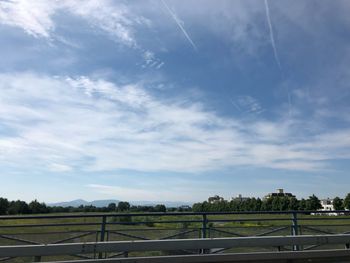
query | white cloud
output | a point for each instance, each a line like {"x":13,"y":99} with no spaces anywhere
{"x":36,"y":17}
{"x":247,"y":104}
{"x":95,"y":125}
{"x":116,"y":20}
{"x":56,"y":167}
{"x":151,"y":61}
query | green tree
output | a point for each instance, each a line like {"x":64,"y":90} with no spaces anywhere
{"x":112,"y":207}
{"x":89,"y":208}
{"x":205,"y":206}
{"x":338,"y":203}
{"x":37,"y":208}
{"x":234,"y":205}
{"x":313,"y":203}
{"x":347,"y":201}
{"x":276,"y":203}
{"x":160,"y":208}
{"x":293,"y":204}
{"x":258,"y":204}
{"x":197,"y":207}
{"x":254,"y":204}
{"x":284,"y":203}
{"x":123,"y":206}
{"x":4,"y":205}
{"x":302,"y":204}
{"x":18,"y":207}
{"x":267,"y":204}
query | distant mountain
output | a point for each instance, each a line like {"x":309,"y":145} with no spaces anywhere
{"x":102,"y":203}
{"x":166,"y":203}
{"x":79,"y":202}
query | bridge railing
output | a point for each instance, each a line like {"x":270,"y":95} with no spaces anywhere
{"x":58,"y":229}
{"x":38,"y":251}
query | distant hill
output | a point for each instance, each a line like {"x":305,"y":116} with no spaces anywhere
{"x":102,"y":203}
{"x":166,"y":203}
{"x":79,"y":202}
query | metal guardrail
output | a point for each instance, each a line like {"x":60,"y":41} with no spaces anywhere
{"x":58,"y":229}
{"x":324,"y":256}
{"x":183,"y":244}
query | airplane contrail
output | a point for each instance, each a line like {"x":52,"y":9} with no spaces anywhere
{"x":173,"y":15}
{"x":272,"y":38}
{"x":273,"y":44}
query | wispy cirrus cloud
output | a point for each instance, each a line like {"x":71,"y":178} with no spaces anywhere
{"x":67,"y":123}
{"x":247,"y":104}
{"x":33,"y":17}
{"x":37,"y":18}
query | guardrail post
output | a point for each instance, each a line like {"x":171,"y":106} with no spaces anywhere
{"x":204,"y":226}
{"x":103,"y":232}
{"x":295,"y":228}
{"x":204,"y":231}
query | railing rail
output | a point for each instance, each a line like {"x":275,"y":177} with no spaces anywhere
{"x":203,"y":218}
{"x":334,"y":255}
{"x":173,"y":214}
{"x":168,"y":245}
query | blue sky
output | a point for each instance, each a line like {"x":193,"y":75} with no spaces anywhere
{"x":173,"y":100}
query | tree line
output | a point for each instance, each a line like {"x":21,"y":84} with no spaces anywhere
{"x":273,"y":203}
{"x":214,"y":204}
{"x":21,"y":207}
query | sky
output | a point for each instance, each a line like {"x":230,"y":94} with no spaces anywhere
{"x":174,"y":100}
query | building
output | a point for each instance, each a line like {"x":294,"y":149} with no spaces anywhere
{"x":215,"y":199}
{"x":239,"y":198}
{"x":279,"y":193}
{"x":327,"y":204}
